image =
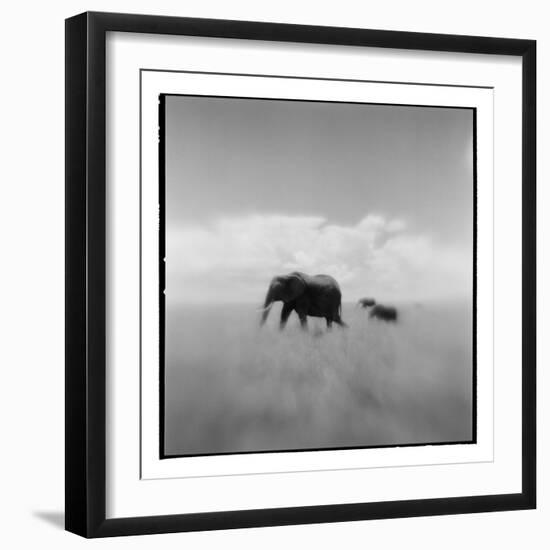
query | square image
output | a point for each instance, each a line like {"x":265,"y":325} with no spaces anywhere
{"x":317,"y":275}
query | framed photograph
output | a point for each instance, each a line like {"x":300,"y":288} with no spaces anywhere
{"x":300,"y":274}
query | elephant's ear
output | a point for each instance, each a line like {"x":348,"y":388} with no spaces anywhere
{"x":294,"y":287}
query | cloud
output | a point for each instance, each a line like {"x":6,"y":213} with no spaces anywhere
{"x":233,"y":259}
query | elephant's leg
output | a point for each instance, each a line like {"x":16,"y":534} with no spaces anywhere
{"x":329,"y":322}
{"x":338,"y":319}
{"x":303,"y":318}
{"x":285,"y":312}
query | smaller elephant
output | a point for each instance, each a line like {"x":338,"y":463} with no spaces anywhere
{"x":366,"y":302}
{"x":384,"y":313}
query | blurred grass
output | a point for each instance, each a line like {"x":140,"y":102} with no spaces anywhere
{"x":231,"y":386}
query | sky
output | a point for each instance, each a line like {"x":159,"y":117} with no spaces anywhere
{"x":379,"y":196}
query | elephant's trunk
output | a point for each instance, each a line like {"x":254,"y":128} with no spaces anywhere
{"x":267,"y":306}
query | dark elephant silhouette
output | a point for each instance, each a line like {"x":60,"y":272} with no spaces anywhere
{"x":366,"y":302}
{"x":384,"y":313}
{"x":307,"y":295}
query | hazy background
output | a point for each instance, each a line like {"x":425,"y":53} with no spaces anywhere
{"x":380,"y":197}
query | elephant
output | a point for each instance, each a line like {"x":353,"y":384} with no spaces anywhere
{"x":366,"y":302}
{"x":384,"y":313}
{"x":314,"y":296}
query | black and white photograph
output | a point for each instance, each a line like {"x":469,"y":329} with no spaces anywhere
{"x":300,"y":278}
{"x":317,"y":275}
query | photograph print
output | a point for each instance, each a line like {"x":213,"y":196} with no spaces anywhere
{"x":317,"y":275}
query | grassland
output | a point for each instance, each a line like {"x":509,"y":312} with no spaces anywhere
{"x":233,"y":387}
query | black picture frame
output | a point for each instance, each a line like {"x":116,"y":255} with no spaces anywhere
{"x":85,"y":375}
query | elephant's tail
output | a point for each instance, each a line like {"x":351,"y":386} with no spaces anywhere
{"x":340,"y":322}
